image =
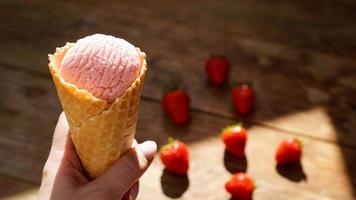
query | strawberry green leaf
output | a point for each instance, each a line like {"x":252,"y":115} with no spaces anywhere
{"x":171,"y":141}
{"x":232,"y":127}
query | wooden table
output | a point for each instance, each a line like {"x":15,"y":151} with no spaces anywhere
{"x":300,"y":57}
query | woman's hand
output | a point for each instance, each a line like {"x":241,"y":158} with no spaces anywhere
{"x":63,"y":174}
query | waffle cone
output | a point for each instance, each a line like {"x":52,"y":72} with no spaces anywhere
{"x":101,"y":132}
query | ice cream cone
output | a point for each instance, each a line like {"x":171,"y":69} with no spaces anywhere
{"x":101,"y":132}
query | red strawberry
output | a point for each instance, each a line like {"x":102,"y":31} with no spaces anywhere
{"x":174,"y":156}
{"x":217,"y":68}
{"x":240,"y":186}
{"x":289,"y":150}
{"x":235,"y":138}
{"x":242,"y":99}
{"x":176,"y":105}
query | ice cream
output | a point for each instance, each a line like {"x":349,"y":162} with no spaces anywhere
{"x":101,"y":64}
{"x":99,"y":80}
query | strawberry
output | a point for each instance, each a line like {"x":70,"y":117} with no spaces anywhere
{"x":242,"y":98}
{"x":217,"y":68}
{"x":174,"y":156}
{"x":235,"y":138}
{"x":289,"y":150}
{"x":176,"y":105}
{"x":240,"y":186}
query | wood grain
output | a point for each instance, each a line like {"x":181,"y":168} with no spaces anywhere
{"x":322,"y":25}
{"x":14,"y":188}
{"x":208,"y":173}
{"x":322,"y":160}
{"x":287,"y":80}
{"x":300,"y":57}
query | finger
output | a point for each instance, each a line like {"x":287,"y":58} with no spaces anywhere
{"x":132,"y":193}
{"x":126,"y":171}
{"x":52,"y":164}
{"x":62,"y":147}
{"x":61,"y":133}
{"x":60,"y":140}
{"x":134,"y":143}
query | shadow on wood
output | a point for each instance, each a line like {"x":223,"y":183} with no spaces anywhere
{"x":174,"y":129}
{"x":174,"y":185}
{"x":234,"y":164}
{"x":292,"y":171}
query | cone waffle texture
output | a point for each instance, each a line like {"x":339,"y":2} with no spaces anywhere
{"x":100,"y":132}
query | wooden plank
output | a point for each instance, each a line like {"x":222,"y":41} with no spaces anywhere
{"x":326,"y":26}
{"x":208,"y":171}
{"x":14,"y":189}
{"x":322,"y":108}
{"x":282,"y":89}
{"x":289,"y":82}
{"x":288,"y":23}
{"x":40,"y":17}
{"x":321,"y":162}
{"x":25,"y":149}
{"x":208,"y":163}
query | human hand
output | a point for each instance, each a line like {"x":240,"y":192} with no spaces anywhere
{"x":63,"y":176}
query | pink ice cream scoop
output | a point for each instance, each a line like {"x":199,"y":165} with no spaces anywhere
{"x":103,"y":65}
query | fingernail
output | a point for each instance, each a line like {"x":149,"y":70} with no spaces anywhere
{"x":148,"y":149}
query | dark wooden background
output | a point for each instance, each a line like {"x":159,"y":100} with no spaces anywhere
{"x":299,"y":55}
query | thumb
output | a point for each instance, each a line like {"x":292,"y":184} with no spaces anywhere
{"x":126,"y":171}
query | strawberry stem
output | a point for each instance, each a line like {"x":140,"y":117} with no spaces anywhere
{"x":254,"y":184}
{"x":301,"y":144}
{"x":240,"y":124}
{"x":230,"y":127}
{"x":171,"y":141}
